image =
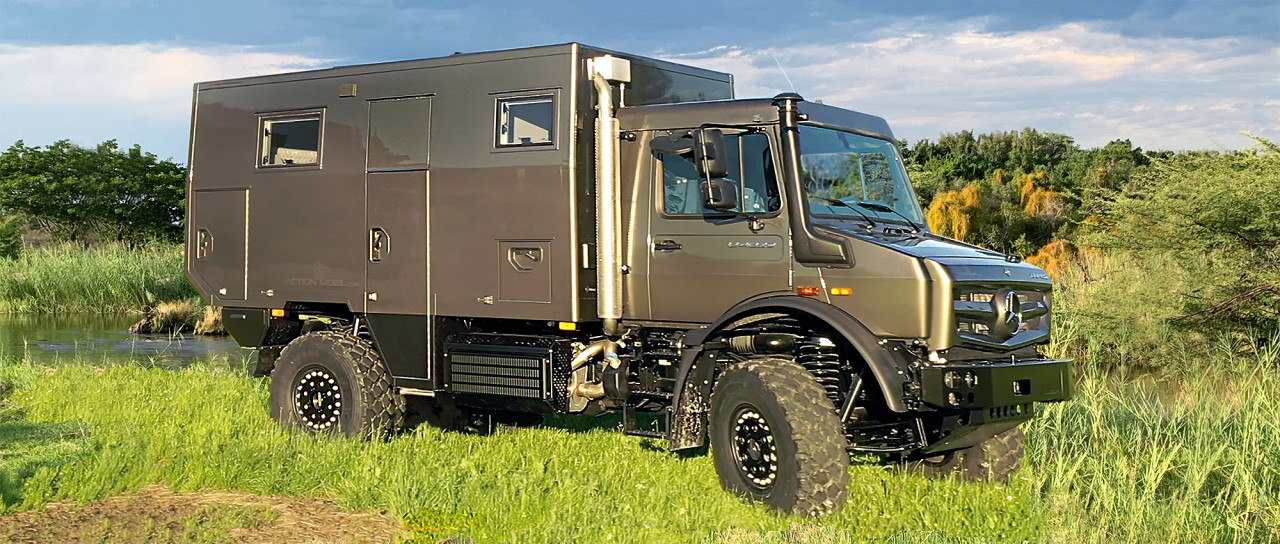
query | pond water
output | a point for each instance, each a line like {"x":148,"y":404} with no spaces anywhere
{"x":104,"y":339}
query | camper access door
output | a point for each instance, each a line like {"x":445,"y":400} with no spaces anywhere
{"x":396,"y":180}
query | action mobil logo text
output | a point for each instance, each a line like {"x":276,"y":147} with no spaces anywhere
{"x":755,"y":245}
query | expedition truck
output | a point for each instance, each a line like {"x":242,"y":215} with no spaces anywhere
{"x":565,"y":229}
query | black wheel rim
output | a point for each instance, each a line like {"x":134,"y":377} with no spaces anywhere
{"x":755,"y":452}
{"x":317,"y":399}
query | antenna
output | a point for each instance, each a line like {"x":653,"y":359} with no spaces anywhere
{"x":784,"y":72}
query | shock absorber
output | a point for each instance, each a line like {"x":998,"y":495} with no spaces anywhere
{"x":818,"y":355}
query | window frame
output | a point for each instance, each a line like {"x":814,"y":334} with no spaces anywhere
{"x":507,"y":96}
{"x":263,"y":150}
{"x":659,"y":199}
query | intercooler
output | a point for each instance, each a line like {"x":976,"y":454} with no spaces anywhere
{"x":496,"y":371}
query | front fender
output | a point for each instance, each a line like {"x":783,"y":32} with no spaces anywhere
{"x":697,"y":364}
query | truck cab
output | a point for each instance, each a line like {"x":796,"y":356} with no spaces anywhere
{"x":573,"y":230}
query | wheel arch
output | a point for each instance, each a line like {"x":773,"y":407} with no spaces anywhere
{"x":697,"y":364}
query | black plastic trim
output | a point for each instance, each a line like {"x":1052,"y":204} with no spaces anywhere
{"x":402,"y":341}
{"x":248,"y":326}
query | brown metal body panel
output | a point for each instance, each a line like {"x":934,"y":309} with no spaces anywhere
{"x":397,"y":212}
{"x":218,"y":257}
{"x":890,"y":290}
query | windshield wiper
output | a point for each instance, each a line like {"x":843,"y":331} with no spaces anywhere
{"x":915,"y":229}
{"x":870,"y":224}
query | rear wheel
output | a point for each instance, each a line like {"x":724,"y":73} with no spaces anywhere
{"x":995,"y":459}
{"x":333,"y":382}
{"x":776,"y":439}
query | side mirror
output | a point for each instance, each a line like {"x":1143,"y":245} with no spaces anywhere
{"x":719,"y":194}
{"x":709,"y":153}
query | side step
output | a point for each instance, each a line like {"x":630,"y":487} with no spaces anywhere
{"x":631,"y":424}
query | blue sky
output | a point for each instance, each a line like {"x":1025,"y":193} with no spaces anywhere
{"x":1167,"y":74}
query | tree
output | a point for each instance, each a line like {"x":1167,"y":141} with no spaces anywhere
{"x":79,"y":194}
{"x":1216,"y":218}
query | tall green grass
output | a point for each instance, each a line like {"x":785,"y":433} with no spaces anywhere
{"x":1154,"y":460}
{"x":103,"y":279}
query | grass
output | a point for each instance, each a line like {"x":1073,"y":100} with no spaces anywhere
{"x":103,"y":279}
{"x":208,"y":427}
{"x":1132,"y":459}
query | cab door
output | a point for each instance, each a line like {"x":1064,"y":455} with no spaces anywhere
{"x":701,"y":261}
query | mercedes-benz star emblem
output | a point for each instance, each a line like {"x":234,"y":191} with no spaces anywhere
{"x":1013,"y":305}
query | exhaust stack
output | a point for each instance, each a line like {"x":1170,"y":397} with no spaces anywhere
{"x":605,"y":70}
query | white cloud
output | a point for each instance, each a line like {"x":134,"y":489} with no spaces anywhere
{"x":1093,"y":85}
{"x":139,"y":93}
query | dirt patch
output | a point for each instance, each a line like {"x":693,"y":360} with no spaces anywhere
{"x":156,"y":514}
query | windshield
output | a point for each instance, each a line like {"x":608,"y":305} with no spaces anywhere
{"x":850,"y":168}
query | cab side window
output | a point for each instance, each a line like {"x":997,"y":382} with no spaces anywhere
{"x":750,"y":167}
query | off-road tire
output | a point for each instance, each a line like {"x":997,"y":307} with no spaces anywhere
{"x":365,"y":404}
{"x":994,"y":460}
{"x":812,"y":467}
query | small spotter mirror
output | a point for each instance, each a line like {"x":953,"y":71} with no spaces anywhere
{"x":719,"y":194}
{"x":709,"y":153}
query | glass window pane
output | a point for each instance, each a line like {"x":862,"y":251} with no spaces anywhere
{"x":398,"y":133}
{"x":759,"y":182}
{"x":526,"y":121}
{"x":750,"y":165}
{"x":291,"y":140}
{"x":681,"y":190}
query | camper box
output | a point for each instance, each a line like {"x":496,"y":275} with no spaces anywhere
{"x":456,"y":186}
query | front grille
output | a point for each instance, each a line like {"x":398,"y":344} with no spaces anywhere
{"x":1001,"y":316}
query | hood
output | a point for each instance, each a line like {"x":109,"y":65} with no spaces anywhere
{"x":925,"y":245}
{"x":963,"y":261}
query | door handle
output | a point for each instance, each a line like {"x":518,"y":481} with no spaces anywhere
{"x":204,"y":244}
{"x":667,"y":245}
{"x":379,"y":244}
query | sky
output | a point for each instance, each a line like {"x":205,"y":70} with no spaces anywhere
{"x":1164,"y":74}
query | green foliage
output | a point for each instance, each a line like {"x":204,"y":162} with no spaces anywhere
{"x":108,"y":278}
{"x":78,"y":194}
{"x":11,"y":231}
{"x":1211,"y":224}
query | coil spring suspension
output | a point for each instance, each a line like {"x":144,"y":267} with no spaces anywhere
{"x":818,"y":355}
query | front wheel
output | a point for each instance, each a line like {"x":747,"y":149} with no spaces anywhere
{"x":776,"y":438}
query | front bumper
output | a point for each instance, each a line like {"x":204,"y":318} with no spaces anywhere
{"x":996,"y":385}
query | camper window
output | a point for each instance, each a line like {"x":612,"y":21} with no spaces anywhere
{"x":290,"y":140}
{"x":526,"y":121}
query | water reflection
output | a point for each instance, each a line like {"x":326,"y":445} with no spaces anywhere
{"x":99,"y":339}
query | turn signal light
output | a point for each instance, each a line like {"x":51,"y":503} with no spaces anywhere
{"x":841,"y":291}
{"x":568,"y":326}
{"x":277,"y":312}
{"x":808,"y":291}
